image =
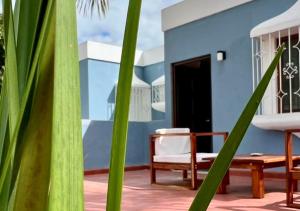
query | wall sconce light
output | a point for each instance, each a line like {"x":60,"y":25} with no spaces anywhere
{"x":221,"y":55}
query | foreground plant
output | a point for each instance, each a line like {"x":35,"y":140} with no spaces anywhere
{"x":41,"y":162}
{"x":221,"y":164}
{"x":120,"y":127}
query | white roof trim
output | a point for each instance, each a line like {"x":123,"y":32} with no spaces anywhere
{"x":191,"y":10}
{"x":288,"y":19}
{"x":112,"y":53}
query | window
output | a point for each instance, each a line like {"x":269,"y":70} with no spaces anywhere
{"x":283,"y":92}
{"x":280,"y":106}
{"x":289,"y":77}
{"x":158,"y":94}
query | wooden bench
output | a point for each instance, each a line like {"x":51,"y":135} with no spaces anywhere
{"x":191,"y":161}
{"x":257,"y":164}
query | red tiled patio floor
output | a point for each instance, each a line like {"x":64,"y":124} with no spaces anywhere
{"x":139,"y":195}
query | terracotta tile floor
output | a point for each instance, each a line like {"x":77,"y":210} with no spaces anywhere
{"x":139,"y":195}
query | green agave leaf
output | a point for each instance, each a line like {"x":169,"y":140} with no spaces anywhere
{"x":4,"y":141}
{"x":33,"y":180}
{"x":66,"y":185}
{"x":3,"y":121}
{"x":119,"y":139}
{"x":28,"y":25}
{"x":24,"y":104}
{"x":36,"y":128}
{"x":11,"y":90}
{"x":11,"y":67}
{"x":16,"y":18}
{"x":225,"y":156}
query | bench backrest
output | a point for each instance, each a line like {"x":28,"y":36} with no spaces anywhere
{"x":172,"y":145}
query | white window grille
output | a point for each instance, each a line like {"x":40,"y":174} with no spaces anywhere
{"x":158,"y":94}
{"x":283,"y":94}
{"x":282,"y":97}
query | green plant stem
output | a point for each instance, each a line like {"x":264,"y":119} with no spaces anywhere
{"x":119,"y":140}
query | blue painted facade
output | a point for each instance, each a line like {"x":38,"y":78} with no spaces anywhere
{"x":231,"y":83}
{"x":232,"y":78}
{"x":97,"y":144}
{"x":98,"y":80}
{"x":151,"y":73}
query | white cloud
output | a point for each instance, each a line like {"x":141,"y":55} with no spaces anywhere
{"x":111,"y":28}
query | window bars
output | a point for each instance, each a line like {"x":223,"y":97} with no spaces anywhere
{"x":283,"y":93}
{"x":158,"y":94}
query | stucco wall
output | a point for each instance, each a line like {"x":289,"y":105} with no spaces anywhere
{"x":231,"y":79}
{"x":98,"y":80}
{"x":151,"y":73}
{"x":231,"y":83}
{"x":97,"y":145}
{"x":97,"y":90}
{"x":84,"y":90}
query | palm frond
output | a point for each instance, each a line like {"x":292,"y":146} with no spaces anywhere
{"x":91,"y":6}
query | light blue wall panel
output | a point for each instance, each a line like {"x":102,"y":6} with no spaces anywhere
{"x":154,"y":71}
{"x":231,"y":79}
{"x":84,"y":93}
{"x":102,"y":79}
{"x":139,"y":71}
{"x":97,"y":145}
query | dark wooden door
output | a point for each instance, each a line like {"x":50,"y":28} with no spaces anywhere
{"x":192,"y":98}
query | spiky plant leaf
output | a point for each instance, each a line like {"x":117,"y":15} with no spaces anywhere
{"x":119,"y":139}
{"x":11,"y":90}
{"x":47,"y":135}
{"x":34,"y":167}
{"x":67,"y":154}
{"x":28,"y":31}
{"x":222,"y":162}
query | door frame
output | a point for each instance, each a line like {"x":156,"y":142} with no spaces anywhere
{"x":173,"y":77}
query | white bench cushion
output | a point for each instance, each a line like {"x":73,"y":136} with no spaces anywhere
{"x":182,"y":158}
{"x":172,"y":145}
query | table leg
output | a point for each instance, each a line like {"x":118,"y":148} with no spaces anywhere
{"x":184,"y":174}
{"x":295,"y":185}
{"x":222,"y":189}
{"x":223,"y":186}
{"x":257,"y":182}
{"x":152,"y":175}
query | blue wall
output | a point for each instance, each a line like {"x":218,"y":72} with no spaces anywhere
{"x":151,"y":73}
{"x":231,"y":79}
{"x":97,"y":145}
{"x":98,"y":80}
{"x":102,"y":79}
{"x":97,"y":90}
{"x":231,"y":83}
{"x":84,"y":90}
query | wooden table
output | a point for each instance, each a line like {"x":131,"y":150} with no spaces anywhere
{"x":257,"y":164}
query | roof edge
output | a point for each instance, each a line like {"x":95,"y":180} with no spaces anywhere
{"x":112,"y":53}
{"x":192,"y":10}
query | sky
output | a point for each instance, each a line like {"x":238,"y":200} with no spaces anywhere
{"x":110,"y":29}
